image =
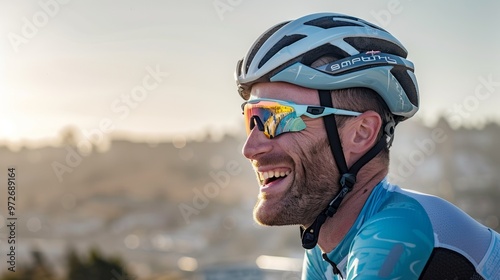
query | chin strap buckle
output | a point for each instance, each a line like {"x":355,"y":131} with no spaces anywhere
{"x":347,"y":181}
{"x":310,"y":235}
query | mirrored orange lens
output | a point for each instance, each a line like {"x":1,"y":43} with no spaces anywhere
{"x":269,"y":114}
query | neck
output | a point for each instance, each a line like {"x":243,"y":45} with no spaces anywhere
{"x":335,"y":228}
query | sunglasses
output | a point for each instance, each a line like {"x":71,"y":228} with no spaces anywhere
{"x":275,"y":117}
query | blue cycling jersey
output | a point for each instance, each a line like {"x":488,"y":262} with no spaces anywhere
{"x":401,"y":234}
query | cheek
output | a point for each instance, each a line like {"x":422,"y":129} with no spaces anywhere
{"x":312,"y":157}
{"x":312,"y":144}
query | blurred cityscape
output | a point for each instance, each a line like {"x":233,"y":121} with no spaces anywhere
{"x":182,"y":209}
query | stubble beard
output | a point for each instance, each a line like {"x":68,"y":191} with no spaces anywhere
{"x":313,"y":186}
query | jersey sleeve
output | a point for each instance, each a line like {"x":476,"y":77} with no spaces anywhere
{"x":395,"y":243}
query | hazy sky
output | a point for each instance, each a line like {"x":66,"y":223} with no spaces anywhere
{"x":159,"y":68}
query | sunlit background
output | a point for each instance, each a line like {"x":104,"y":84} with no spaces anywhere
{"x":120,"y":116}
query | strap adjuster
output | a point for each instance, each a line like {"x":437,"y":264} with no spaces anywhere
{"x":348,"y":180}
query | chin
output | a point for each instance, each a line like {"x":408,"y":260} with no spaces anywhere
{"x":260,"y":215}
{"x":266,"y":220}
{"x":269,"y":214}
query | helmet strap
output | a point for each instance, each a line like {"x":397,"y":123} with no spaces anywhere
{"x":347,"y":179}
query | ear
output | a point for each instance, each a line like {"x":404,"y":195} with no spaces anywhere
{"x":360,"y":134}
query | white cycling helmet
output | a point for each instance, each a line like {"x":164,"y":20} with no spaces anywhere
{"x":364,"y":54}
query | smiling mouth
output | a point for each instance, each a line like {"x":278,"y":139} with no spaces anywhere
{"x":268,"y":177}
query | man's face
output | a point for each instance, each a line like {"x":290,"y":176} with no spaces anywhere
{"x":295,"y":170}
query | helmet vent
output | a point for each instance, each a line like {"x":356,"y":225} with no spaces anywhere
{"x":326,"y":50}
{"x":364,"y":44}
{"x":407,"y":83}
{"x":360,"y":20}
{"x":282,"y":43}
{"x":330,"y":22}
{"x":261,"y":41}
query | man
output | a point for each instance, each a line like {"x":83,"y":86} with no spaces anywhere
{"x":323,"y":95}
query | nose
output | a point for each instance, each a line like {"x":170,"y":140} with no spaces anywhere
{"x":256,"y":144}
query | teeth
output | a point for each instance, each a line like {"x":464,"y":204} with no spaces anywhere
{"x":270,"y":174}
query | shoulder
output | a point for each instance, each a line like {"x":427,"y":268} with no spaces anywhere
{"x":397,"y":236}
